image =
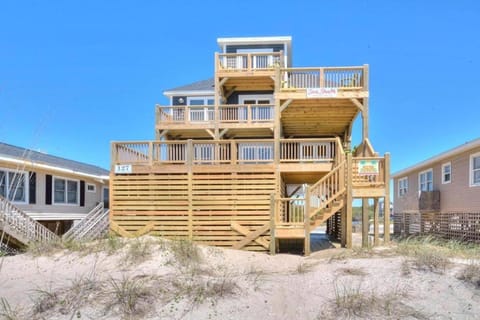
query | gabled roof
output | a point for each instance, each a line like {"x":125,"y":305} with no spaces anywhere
{"x":199,"y":87}
{"x":444,"y":155}
{"x":31,"y":157}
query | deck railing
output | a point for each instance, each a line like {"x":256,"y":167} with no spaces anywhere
{"x":223,"y":151}
{"x":306,"y":150}
{"x":368,"y":171}
{"x":94,"y":225}
{"x":245,"y":62}
{"x":325,"y":77}
{"x":290,"y":211}
{"x":231,"y":113}
{"x":185,"y":114}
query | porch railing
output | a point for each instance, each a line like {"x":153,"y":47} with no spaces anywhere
{"x":236,"y":113}
{"x":290,"y":211}
{"x":223,"y":151}
{"x":325,"y":77}
{"x":368,"y":171}
{"x":244,"y":62}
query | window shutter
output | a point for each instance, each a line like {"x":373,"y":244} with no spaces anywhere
{"x":32,"y":188}
{"x":48,"y":189}
{"x":82,"y":193}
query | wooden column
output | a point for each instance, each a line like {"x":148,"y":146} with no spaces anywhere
{"x":386,"y":204}
{"x":365,"y":103}
{"x":190,"y":188}
{"x":376,"y":208}
{"x":307,"y":223}
{"x":365,"y":223}
{"x":272,"y":224}
{"x":349,"y":201}
{"x":217,"y":100}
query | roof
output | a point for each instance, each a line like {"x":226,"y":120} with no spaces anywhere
{"x":22,"y":154}
{"x":444,"y":155}
{"x":202,"y":86}
{"x":255,"y":40}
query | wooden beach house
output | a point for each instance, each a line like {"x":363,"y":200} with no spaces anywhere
{"x":256,"y":156}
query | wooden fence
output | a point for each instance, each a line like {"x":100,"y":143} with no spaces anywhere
{"x":464,"y":226}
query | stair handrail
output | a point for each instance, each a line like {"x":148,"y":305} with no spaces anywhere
{"x":98,"y":210}
{"x":20,"y":222}
{"x":329,"y":194}
{"x":95,"y":227}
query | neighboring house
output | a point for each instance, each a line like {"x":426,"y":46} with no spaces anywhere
{"x":448,"y":182}
{"x":252,"y":157}
{"x":53,"y":191}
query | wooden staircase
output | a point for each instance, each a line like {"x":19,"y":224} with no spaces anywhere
{"x":93,"y":226}
{"x":19,"y":227}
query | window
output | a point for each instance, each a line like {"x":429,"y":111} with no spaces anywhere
{"x":425,"y":180}
{"x":446,"y":172}
{"x":200,"y":101}
{"x":475,"y":170}
{"x":65,"y":191}
{"x":13,"y":185}
{"x":91,"y":188}
{"x":402,"y":186}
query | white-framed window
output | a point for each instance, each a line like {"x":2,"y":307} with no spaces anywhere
{"x":402,"y":186}
{"x":91,"y":187}
{"x":446,"y":172}
{"x":425,"y":180}
{"x":475,"y":170}
{"x":66,"y":191}
{"x":201,"y":101}
{"x":13,"y":185}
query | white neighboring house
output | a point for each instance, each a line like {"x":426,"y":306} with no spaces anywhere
{"x":54,"y":191}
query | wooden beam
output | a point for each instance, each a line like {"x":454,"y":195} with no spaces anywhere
{"x":357,"y":104}
{"x":376,"y":208}
{"x":119,"y":230}
{"x":348,"y":205}
{"x":365,"y":223}
{"x":306,"y":242}
{"x":162,"y":134}
{"x":210,"y":133}
{"x":285,"y":105}
{"x":250,"y":236}
{"x":223,"y":132}
{"x":222,"y":82}
{"x":386,"y":202}
{"x":294,"y":191}
{"x":145,"y":229}
{"x":229,"y":92}
{"x":273,"y":241}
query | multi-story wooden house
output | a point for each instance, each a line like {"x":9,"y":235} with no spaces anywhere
{"x":258,"y":154}
{"x":441,"y":194}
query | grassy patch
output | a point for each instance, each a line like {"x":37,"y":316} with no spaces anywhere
{"x":352,"y":301}
{"x":138,"y":251}
{"x":471,"y":274}
{"x":447,"y":248}
{"x":8,"y":312}
{"x":185,"y":252}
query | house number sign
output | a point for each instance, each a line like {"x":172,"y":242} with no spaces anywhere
{"x":123,"y":168}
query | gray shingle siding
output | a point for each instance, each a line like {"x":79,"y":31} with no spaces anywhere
{"x":202,"y":85}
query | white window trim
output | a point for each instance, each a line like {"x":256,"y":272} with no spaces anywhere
{"x":419,"y":183}
{"x":256,"y":97}
{"x":204,"y":98}
{"x":91,"y":185}
{"x":472,"y":184}
{"x":26,"y":184}
{"x":398,"y":187}
{"x":66,"y":199}
{"x":443,"y":172}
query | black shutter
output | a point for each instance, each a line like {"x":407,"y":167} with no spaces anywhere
{"x":48,"y":189}
{"x":82,"y":193}
{"x":32,"y":188}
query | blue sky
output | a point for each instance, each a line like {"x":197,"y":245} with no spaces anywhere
{"x":75,"y":76}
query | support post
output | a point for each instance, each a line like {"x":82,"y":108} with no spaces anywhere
{"x":386,"y":202}
{"x":365,"y":223}
{"x":349,"y":201}
{"x":190,"y":188}
{"x":272,"y":224}
{"x":307,"y":223}
{"x":376,"y":208}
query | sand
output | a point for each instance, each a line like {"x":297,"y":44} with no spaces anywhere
{"x":245,"y":285}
